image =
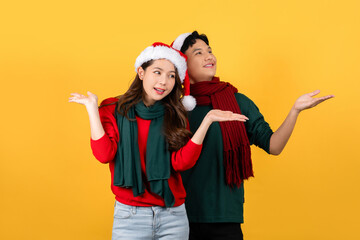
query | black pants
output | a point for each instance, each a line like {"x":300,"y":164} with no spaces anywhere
{"x":215,"y":231}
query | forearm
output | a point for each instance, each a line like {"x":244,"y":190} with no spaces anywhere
{"x":281,"y":136}
{"x":200,"y":133}
{"x":96,"y":128}
{"x":186,"y":157}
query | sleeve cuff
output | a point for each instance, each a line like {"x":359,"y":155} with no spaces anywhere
{"x":98,"y":142}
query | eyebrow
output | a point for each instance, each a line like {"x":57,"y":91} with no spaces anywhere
{"x":196,"y":49}
{"x":163,"y":69}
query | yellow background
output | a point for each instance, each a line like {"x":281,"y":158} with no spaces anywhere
{"x":51,"y":187}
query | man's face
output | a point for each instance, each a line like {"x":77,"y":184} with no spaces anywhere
{"x":201,"y":62}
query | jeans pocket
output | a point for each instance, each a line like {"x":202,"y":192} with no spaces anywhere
{"x":178,"y":211}
{"x":122,"y":211}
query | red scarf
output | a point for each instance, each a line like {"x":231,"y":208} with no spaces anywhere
{"x":237,"y":155}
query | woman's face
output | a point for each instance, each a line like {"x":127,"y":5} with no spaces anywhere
{"x":158,"y":80}
{"x":201,"y":62}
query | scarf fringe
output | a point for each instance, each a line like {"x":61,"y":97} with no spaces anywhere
{"x":240,"y":169}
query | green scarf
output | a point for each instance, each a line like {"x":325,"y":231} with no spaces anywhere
{"x":127,"y":170}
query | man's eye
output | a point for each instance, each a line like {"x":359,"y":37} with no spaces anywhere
{"x":157,"y":72}
{"x":197,"y":53}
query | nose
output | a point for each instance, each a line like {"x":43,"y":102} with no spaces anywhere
{"x":209,"y":56}
{"x":162,"y":79}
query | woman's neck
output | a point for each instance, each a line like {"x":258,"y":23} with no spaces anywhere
{"x":148,"y":103}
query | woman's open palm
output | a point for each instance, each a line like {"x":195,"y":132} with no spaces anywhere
{"x":89,"y":100}
{"x":217,"y":115}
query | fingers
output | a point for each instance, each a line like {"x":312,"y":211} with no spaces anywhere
{"x":90,"y":100}
{"x":239,"y":117}
{"x":314,"y":93}
{"x":328,"y":97}
{"x":73,"y":100}
{"x":77,"y":98}
{"x":321,"y":99}
{"x":316,"y":101}
{"x":230,"y":116}
{"x":76,"y":94}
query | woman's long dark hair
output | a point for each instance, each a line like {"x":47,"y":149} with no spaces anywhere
{"x":175,"y":119}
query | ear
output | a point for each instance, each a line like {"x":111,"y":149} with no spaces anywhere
{"x":141,"y":73}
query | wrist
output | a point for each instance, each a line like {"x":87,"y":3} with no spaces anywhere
{"x":207,"y":121}
{"x":295,"y":111}
{"x":92,"y":107}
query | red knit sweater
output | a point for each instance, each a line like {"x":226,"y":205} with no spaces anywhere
{"x":104,"y":150}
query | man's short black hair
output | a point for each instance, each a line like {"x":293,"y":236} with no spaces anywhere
{"x":191,"y":39}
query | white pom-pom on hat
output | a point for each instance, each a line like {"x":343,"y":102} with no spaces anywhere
{"x":189,"y":102}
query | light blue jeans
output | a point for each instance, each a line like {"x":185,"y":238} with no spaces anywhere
{"x":150,"y":223}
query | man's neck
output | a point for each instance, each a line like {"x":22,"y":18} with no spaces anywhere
{"x":192,"y":81}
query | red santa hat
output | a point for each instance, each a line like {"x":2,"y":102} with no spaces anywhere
{"x":160,"y":50}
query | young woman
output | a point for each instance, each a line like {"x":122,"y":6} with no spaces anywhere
{"x":215,"y":206}
{"x":143,"y":136}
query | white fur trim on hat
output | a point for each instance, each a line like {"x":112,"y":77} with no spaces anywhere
{"x":189,"y":102}
{"x":163,"y":52}
{"x":179,"y":41}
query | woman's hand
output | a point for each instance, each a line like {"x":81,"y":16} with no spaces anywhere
{"x":89,"y":101}
{"x":91,"y":104}
{"x":217,"y":115}
{"x":308,"y":101}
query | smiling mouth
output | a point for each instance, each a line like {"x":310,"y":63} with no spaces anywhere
{"x":210,"y":65}
{"x":159,"y":90}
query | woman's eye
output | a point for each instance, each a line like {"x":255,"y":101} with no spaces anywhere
{"x":172,"y":76}
{"x":157,"y":72}
{"x":197,"y":53}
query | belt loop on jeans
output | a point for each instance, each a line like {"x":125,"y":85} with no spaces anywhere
{"x":133,"y":210}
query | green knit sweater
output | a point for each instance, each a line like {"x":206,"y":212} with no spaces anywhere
{"x":208,"y":198}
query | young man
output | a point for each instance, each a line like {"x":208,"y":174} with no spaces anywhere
{"x":214,"y":186}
